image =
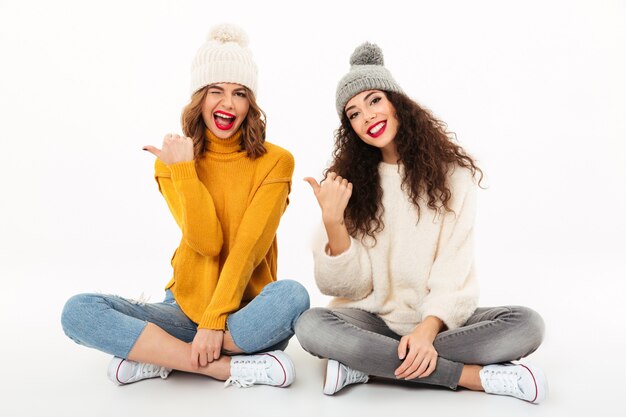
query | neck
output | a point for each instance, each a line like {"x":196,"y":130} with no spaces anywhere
{"x":390,"y":154}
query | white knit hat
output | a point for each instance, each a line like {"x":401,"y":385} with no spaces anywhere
{"x":224,"y":58}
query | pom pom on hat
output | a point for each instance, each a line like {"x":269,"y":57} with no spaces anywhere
{"x":224,"y":58}
{"x":367,"y":54}
{"x":367,"y":72}
{"x":228,"y":33}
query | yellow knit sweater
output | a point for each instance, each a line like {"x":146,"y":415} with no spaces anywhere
{"x":228,"y":208}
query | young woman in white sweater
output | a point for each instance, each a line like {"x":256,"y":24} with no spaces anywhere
{"x":398,"y":207}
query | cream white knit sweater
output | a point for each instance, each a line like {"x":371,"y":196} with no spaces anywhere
{"x":416,"y":269}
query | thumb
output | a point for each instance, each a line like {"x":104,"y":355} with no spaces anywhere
{"x":154,"y":151}
{"x":313,"y":183}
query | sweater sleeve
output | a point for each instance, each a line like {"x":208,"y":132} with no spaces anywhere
{"x":452,"y":286}
{"x":191,"y":205}
{"x":347,"y":275}
{"x":254,"y":238}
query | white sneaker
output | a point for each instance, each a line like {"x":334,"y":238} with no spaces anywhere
{"x":122,"y":371}
{"x":339,"y":375}
{"x":525,"y":382}
{"x":270,"y":368}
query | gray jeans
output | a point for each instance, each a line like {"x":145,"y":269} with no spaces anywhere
{"x":362,"y":340}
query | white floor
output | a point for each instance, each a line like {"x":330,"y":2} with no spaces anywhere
{"x":46,"y":374}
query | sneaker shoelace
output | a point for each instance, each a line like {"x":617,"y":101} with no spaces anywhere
{"x":247,"y":373}
{"x":353,"y":376}
{"x":148,"y":370}
{"x":505,"y":382}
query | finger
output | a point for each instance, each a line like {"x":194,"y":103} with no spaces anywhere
{"x":331,"y":176}
{"x":399,"y":372}
{"x":203,"y":359}
{"x":431,"y":367}
{"x":420,"y":365}
{"x":167,"y":138}
{"x":194,"y":358}
{"x":338,"y":178}
{"x":216,"y":354}
{"x":344,"y":182}
{"x":409,"y":365}
{"x":402,"y":347}
{"x":313,"y":183}
{"x":418,"y":372}
{"x":154,"y":151}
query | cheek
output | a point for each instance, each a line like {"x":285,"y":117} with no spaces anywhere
{"x":242,"y":112}
{"x":394,"y":125}
{"x":242,"y":108}
{"x":207,"y":116}
{"x":207,"y":112}
{"x":245,"y":109}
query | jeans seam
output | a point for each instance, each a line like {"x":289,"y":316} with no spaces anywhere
{"x":363,"y":330}
{"x":382,"y":325}
{"x":466,"y":331}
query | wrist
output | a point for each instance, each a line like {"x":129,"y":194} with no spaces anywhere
{"x":333,"y":222}
{"x":431,"y":326}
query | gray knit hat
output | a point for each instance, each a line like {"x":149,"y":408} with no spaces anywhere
{"x":367,"y":72}
{"x":224,"y":58}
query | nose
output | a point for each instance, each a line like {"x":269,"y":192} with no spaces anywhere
{"x":227,"y":101}
{"x":371,"y":116}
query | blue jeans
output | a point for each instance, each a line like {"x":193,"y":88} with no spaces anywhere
{"x":113,"y":324}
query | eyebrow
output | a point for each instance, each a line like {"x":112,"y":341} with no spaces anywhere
{"x":217,"y":87}
{"x":364,"y":99}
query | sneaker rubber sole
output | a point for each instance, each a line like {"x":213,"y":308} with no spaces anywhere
{"x":331,"y":379}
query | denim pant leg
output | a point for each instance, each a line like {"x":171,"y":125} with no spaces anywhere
{"x":363,"y":341}
{"x":493,"y":335}
{"x":113,"y":324}
{"x":267,"y":322}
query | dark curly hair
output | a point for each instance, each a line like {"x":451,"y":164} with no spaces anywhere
{"x":427,"y":151}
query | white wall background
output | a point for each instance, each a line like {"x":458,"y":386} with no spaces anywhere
{"x":535,"y":90}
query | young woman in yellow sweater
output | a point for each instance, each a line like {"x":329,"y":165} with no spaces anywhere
{"x":225,"y":315}
{"x":398,"y":207}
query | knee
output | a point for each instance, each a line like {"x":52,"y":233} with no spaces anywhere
{"x":307,"y":327}
{"x":531,"y":327}
{"x":75,"y":311}
{"x":295,"y":292}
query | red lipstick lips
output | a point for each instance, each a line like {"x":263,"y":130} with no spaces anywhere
{"x":378,"y":129}
{"x":223,"y":120}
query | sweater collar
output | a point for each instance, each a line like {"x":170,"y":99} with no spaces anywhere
{"x":386,"y":169}
{"x":223,"y":146}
